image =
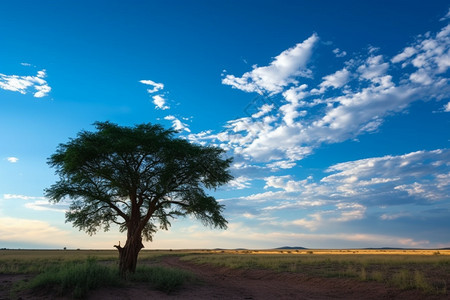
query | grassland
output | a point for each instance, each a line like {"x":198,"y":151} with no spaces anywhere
{"x":425,"y":270}
{"x":77,"y":272}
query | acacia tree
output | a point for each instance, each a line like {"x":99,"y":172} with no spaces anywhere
{"x":138,"y":178}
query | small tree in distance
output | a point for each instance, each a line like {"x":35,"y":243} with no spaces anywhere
{"x":138,"y":178}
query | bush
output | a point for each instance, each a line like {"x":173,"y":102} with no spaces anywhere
{"x":73,"y":278}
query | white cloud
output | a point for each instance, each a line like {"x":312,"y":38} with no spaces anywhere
{"x":447,"y":16}
{"x":156,"y":86}
{"x":38,"y":203}
{"x":21,"y":197}
{"x":177,"y":124}
{"x":390,"y":217}
{"x":30,"y":231}
{"x":355,"y":189}
{"x":339,"y":52}
{"x":160,"y":102}
{"x":406,"y":53}
{"x":45,"y":205}
{"x":158,"y":99}
{"x":373,"y":68}
{"x":12,"y":159}
{"x":23,"y":84}
{"x":353,"y":100}
{"x":241,"y":182}
{"x":284,"y":182}
{"x":336,"y":80}
{"x":447,"y":107}
{"x":281,"y":72}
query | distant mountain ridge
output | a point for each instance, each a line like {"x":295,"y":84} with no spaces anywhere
{"x":290,"y":248}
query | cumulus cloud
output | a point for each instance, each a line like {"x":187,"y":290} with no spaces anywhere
{"x":336,"y":80}
{"x":384,"y":187}
{"x":160,"y":102}
{"x":351,"y":101}
{"x":23,"y":84}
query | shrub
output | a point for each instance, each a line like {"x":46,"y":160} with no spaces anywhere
{"x":76,"y":279}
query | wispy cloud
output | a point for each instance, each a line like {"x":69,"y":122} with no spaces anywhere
{"x":158,"y":99}
{"x":21,"y":197}
{"x":281,"y":72}
{"x":381,"y":188}
{"x":177,"y":124}
{"x":240,"y":182}
{"x":155,"y":86}
{"x":30,"y":232}
{"x":38,"y":203}
{"x":45,"y":205}
{"x":23,"y":84}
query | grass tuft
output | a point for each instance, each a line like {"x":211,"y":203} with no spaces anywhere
{"x":161,"y":278}
{"x":75,"y":279}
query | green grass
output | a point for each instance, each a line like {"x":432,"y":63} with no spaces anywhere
{"x":74,"y":278}
{"x":75,"y":273}
{"x":63,"y":272}
{"x":37,"y":261}
{"x":161,"y":278}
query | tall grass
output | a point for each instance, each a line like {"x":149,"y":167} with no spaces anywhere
{"x":74,"y":277}
{"x":161,"y":278}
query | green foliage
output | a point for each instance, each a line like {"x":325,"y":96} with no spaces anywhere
{"x":161,"y":278}
{"x":75,"y":279}
{"x":138,"y":176}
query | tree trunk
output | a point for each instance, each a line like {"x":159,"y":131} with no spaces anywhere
{"x":128,"y":254}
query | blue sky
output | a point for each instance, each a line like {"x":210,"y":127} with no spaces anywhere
{"x":337,"y":113}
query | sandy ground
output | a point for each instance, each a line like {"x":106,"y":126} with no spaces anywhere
{"x":223,"y":283}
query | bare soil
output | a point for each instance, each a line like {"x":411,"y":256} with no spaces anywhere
{"x":225,"y":283}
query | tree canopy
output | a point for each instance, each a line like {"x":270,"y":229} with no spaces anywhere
{"x":138,"y":178}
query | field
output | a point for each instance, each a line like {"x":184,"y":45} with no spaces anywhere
{"x":231,"y":274}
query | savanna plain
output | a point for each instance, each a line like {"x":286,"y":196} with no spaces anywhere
{"x":227,"y":274}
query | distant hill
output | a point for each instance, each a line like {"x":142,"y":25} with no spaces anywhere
{"x":386,"y":248}
{"x":290,"y":248}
